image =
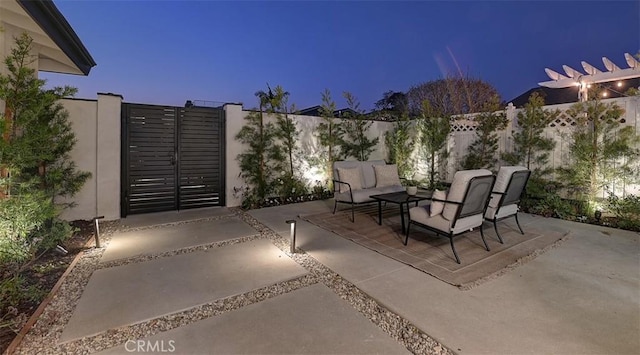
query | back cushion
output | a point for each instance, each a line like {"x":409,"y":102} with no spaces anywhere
{"x":350,"y":176}
{"x":458,"y":189}
{"x":368,"y":176}
{"x":502,"y":180}
{"x":386,"y":175}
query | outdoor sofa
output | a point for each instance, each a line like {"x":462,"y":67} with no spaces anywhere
{"x":355,"y":181}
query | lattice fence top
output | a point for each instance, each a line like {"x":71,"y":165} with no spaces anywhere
{"x":464,"y":125}
{"x":564,"y":120}
{"x":468,"y":124}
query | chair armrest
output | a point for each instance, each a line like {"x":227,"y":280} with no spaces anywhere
{"x":446,"y":201}
{"x":340,"y":182}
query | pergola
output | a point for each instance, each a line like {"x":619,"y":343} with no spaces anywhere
{"x":593,"y":75}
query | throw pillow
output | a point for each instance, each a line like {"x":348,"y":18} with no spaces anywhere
{"x":437,"y":206}
{"x":352,"y":177}
{"x":386,"y":175}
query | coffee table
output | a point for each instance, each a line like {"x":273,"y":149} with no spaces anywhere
{"x":401,"y":198}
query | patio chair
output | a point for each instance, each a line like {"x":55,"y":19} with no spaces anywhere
{"x":462,"y":209}
{"x":505,"y":197}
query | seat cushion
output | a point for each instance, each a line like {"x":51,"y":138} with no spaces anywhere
{"x":386,"y":175}
{"x":504,"y":211}
{"x":459,"y":188}
{"x":359,"y":196}
{"x":351,"y":176}
{"x":421,"y":215}
{"x":387,"y":189}
{"x":502,"y":180}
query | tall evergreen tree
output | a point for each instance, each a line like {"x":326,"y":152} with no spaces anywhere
{"x":261,"y":162}
{"x":482,"y":152}
{"x":34,"y":152}
{"x":329,"y":136}
{"x":433,"y":128}
{"x":530,"y":147}
{"x":354,"y":127}
{"x":602,"y":151}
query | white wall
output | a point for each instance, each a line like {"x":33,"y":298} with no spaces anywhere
{"x":83,"y":116}
{"x":96,"y":124}
{"x":460,"y":139}
{"x":307,"y":142}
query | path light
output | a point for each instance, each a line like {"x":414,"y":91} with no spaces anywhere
{"x":97,"y":230}
{"x":292,"y":222}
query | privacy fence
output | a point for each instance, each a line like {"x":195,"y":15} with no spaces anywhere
{"x":463,"y":133}
{"x":100,"y":133}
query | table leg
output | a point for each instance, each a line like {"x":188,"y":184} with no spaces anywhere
{"x":379,"y":212}
{"x":402,"y":217}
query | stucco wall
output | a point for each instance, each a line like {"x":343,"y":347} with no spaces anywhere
{"x":96,"y":124}
{"x":307,"y":142}
{"x":83,"y":116}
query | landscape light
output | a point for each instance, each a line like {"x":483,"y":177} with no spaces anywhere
{"x":292,"y":222}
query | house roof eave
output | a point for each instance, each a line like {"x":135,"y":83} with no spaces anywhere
{"x":53,"y":23}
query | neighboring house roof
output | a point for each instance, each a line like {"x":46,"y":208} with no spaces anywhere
{"x":59,"y":48}
{"x":570,"y":94}
{"x":315,"y":111}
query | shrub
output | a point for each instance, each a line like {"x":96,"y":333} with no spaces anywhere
{"x":626,"y":210}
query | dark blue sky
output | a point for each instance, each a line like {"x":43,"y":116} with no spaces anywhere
{"x":167,"y":52}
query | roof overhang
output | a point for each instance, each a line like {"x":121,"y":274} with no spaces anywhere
{"x":59,"y":48}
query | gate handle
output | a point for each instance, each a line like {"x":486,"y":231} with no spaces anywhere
{"x":173,"y":158}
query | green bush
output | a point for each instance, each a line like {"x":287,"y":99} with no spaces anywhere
{"x":626,"y":210}
{"x":23,"y":220}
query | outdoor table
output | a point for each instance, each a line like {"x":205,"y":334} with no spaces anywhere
{"x":401,"y":198}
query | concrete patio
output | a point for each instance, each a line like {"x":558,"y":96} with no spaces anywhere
{"x":214,"y":281}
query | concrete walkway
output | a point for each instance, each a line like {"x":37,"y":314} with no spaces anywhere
{"x":212,"y":281}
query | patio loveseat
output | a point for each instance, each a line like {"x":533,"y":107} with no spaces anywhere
{"x":355,"y":181}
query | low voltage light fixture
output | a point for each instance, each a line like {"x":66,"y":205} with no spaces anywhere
{"x":97,"y":230}
{"x":292,"y":222}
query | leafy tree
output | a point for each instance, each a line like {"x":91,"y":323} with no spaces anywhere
{"x":433,"y":128}
{"x":286,"y":127}
{"x":482,"y":152}
{"x":35,"y":169}
{"x":400,"y":145}
{"x":453,"y":95}
{"x":262,"y":161}
{"x":531,"y":148}
{"x":602,"y":151}
{"x":393,"y":106}
{"x":355,"y":142}
{"x":291,"y":185}
{"x":329,"y":136}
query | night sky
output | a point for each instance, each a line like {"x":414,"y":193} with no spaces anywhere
{"x":167,"y":52}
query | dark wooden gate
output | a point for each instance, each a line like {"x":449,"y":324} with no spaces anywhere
{"x":172,"y":158}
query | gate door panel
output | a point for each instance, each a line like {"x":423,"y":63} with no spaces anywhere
{"x":172,"y":158}
{"x":151,"y":159}
{"x":200,"y":163}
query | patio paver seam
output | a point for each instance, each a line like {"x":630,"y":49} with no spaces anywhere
{"x":397,"y":327}
{"x":213,"y":245}
{"x":119,"y":336}
{"x":125,"y":228}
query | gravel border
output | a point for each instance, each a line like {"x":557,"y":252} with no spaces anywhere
{"x":49,"y":326}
